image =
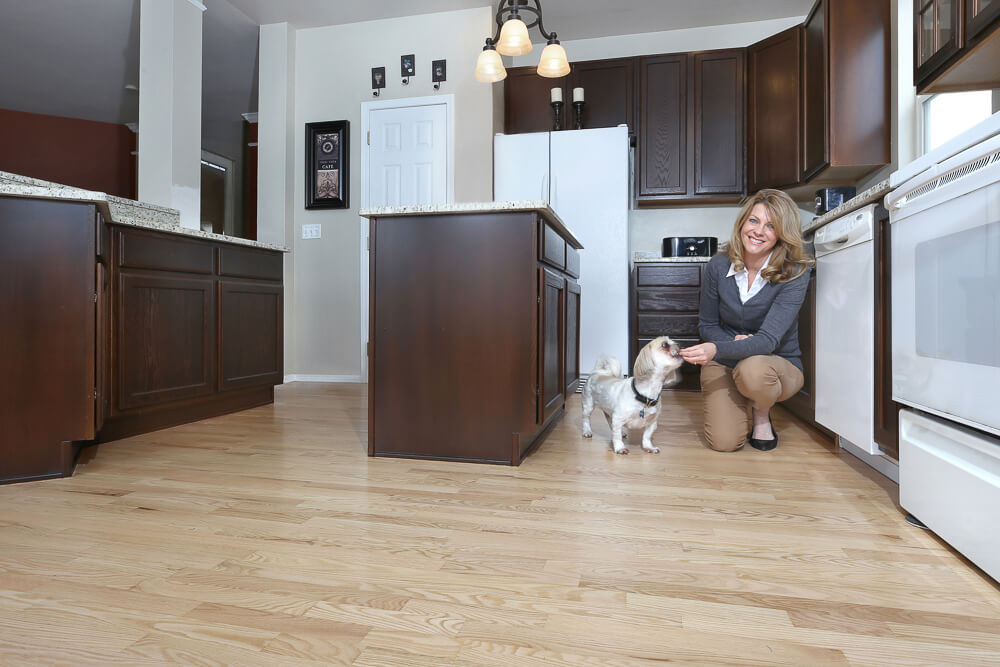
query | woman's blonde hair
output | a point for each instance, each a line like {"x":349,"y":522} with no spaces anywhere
{"x":788,"y":258}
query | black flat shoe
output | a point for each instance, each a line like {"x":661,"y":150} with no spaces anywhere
{"x":764,"y":445}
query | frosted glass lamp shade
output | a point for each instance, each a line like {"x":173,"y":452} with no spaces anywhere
{"x":489,"y":67}
{"x":514,"y":39}
{"x":553,"y":62}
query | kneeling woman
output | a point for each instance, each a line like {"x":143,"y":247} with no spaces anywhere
{"x":750,"y":299}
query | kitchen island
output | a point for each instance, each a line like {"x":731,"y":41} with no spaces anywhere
{"x":118,"y":321}
{"x":474,"y":328}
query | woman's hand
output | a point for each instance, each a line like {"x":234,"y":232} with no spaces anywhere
{"x":699,"y":354}
{"x":742,"y":336}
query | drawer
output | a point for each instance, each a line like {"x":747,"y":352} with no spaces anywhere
{"x":669,"y":275}
{"x":572,"y":261}
{"x":668,"y":299}
{"x":140,"y":250}
{"x":679,"y":325}
{"x":250,"y":263}
{"x":553,"y":247}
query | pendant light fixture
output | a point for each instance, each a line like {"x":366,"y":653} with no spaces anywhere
{"x":512,"y":40}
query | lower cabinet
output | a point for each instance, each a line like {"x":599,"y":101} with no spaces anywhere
{"x":664,"y":302}
{"x":474,"y":334}
{"x":113,"y":334}
{"x":803,"y":404}
{"x":197,"y":329}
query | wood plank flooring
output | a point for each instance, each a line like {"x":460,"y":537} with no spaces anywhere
{"x":268,"y":537}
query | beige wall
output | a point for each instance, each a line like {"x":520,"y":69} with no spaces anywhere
{"x":332,"y":77}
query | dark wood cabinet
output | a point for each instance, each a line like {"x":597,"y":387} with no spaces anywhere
{"x":803,"y":404}
{"x":691,"y":127}
{"x":956,"y":45}
{"x":664,"y":301}
{"x":164,"y":339}
{"x":527,"y":102}
{"x":774,"y":134}
{"x":886,"y":413}
{"x":49,"y":303}
{"x":197,"y":329}
{"x":609,"y":93}
{"x":552,"y":341}
{"x":609,"y":90}
{"x":114,"y":330}
{"x":846,"y":111}
{"x":492,"y":333}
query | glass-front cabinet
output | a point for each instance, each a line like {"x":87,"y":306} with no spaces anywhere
{"x":938,"y":34}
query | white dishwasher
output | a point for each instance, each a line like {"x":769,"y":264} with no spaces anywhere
{"x":845,"y":328}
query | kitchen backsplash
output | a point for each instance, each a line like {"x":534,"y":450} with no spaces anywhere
{"x":648,"y":227}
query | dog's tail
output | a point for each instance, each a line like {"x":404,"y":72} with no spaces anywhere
{"x":607,"y":366}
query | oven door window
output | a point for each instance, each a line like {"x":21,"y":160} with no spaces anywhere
{"x":957,"y":296}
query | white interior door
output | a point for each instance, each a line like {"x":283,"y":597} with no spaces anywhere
{"x":407,"y":160}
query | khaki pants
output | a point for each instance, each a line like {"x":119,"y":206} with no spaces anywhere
{"x":729,"y":393}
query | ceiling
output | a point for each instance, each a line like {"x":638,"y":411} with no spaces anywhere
{"x":74,"y":57}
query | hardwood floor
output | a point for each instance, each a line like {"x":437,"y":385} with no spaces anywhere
{"x":268,"y":537}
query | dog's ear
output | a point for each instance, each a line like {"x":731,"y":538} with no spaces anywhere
{"x":644,"y":364}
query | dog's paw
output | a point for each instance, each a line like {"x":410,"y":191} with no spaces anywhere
{"x":620,"y":450}
{"x":587,"y":433}
{"x":651,"y":450}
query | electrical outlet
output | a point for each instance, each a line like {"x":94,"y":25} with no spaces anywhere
{"x":311,"y":231}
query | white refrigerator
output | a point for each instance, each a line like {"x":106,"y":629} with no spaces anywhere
{"x":584,"y":175}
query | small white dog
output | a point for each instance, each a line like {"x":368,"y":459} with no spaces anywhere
{"x":632,"y":403}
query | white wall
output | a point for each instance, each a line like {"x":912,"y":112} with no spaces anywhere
{"x":647,"y":227}
{"x":332,"y":77}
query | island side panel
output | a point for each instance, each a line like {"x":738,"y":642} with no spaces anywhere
{"x":453,"y":301}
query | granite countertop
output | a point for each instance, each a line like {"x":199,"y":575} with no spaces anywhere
{"x":117,"y":209}
{"x":539,"y":205}
{"x":873,"y":193}
{"x":645,"y":257}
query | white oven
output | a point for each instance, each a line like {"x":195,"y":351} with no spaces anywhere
{"x":945,"y":274}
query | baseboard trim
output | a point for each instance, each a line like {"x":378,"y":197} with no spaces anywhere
{"x":322,"y":378}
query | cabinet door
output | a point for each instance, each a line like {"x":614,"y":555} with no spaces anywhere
{"x":47,"y":335}
{"x":773,"y":111}
{"x":937,"y":35}
{"x":250,"y":334}
{"x":609,"y":93}
{"x":551,"y":343}
{"x":572,"y":335}
{"x":527,"y":102}
{"x":803,"y":404}
{"x":979,"y":14}
{"x":164,"y":339}
{"x":719,"y":84}
{"x":815,"y":144}
{"x":662,"y":154}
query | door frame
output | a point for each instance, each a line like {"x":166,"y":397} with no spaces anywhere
{"x":448,"y":100}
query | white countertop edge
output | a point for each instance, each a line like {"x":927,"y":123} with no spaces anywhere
{"x":15,"y":185}
{"x":475,"y":207}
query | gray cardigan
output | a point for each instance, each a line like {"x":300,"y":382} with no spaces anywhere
{"x":771,"y":315}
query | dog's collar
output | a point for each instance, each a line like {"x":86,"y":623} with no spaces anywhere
{"x":645,"y":400}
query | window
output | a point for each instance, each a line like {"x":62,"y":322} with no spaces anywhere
{"x":946,"y":115}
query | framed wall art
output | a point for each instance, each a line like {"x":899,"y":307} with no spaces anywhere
{"x":327,"y":162}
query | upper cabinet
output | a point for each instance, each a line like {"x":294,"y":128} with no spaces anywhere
{"x":527,"y":102}
{"x":773,"y":111}
{"x":609,"y":93}
{"x":846,"y":107}
{"x":690,"y":138}
{"x":819,"y":111}
{"x":956,"y":45}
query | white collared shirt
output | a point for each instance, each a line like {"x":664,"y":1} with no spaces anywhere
{"x":742,"y":278}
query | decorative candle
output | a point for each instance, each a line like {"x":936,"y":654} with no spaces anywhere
{"x":556,"y":94}
{"x":578,"y":94}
